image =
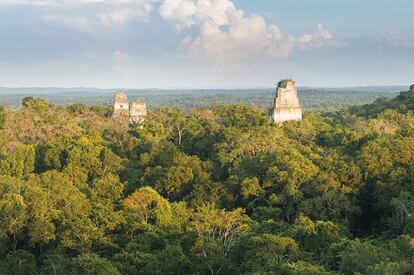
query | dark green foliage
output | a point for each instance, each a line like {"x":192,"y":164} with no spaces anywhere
{"x":402,"y":103}
{"x":20,"y":262}
{"x":299,"y":268}
{"x":77,"y":108}
{"x":93,"y":264}
{"x":2,"y":117}
{"x":218,"y":190}
{"x":269,"y":252}
{"x":358,"y":256}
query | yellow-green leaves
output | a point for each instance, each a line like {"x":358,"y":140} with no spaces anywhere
{"x":19,"y":163}
{"x":218,"y":231}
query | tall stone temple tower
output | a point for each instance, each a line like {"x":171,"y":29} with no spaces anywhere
{"x":412,"y":88}
{"x":121,"y":109}
{"x":286,"y":105}
{"x":124,"y":115}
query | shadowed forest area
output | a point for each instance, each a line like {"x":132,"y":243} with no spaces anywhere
{"x":208,"y":190}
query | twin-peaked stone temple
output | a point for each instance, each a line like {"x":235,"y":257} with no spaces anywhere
{"x":125,"y":114}
{"x":286,"y":105}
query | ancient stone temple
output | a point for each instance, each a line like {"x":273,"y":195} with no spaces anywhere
{"x":121,"y":109}
{"x":124,"y":114}
{"x":412,"y":88}
{"x":286,"y":105}
{"x":138,"y":112}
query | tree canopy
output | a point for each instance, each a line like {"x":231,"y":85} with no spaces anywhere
{"x":215,"y":190}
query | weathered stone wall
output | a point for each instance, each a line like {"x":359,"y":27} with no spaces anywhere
{"x":121,"y":109}
{"x":286,"y":105}
{"x":138,"y":112}
{"x":286,"y":114}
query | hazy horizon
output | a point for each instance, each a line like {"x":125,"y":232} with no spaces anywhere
{"x":197,"y":88}
{"x":318,"y":99}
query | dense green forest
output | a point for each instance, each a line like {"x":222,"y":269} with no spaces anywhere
{"x":215,"y":190}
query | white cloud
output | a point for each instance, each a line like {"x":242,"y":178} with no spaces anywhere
{"x":179,"y":11}
{"x":227,"y":34}
{"x":121,"y":17}
{"x":219,"y":31}
{"x":399,"y":39}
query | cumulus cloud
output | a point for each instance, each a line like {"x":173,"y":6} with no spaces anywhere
{"x":179,"y":11}
{"x":399,"y":39}
{"x":228,"y":34}
{"x":219,"y":31}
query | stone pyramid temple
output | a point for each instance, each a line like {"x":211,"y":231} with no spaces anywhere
{"x":125,"y":114}
{"x":286,"y":105}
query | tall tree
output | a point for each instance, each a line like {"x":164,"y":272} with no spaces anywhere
{"x":218,"y":231}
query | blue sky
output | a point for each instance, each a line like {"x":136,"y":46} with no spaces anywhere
{"x":205,"y":43}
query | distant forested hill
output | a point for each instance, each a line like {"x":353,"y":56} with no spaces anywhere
{"x":312,"y":98}
{"x":403,"y":103}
